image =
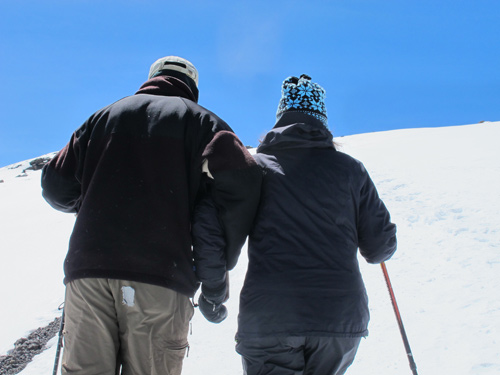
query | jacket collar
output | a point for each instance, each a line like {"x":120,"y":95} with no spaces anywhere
{"x":168,"y":86}
{"x":297,"y":130}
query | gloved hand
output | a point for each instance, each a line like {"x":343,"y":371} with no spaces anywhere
{"x":213,"y":312}
{"x":211,"y":302}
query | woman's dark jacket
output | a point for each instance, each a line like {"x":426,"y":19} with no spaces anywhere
{"x":133,"y":173}
{"x":318,"y":206}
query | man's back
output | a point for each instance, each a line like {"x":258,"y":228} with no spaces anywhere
{"x":138,"y":164}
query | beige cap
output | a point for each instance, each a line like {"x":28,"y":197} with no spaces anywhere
{"x":174,"y":63}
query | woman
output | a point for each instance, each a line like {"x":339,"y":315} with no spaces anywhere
{"x":303,"y":306}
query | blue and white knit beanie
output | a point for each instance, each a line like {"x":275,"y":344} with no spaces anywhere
{"x":303,"y":95}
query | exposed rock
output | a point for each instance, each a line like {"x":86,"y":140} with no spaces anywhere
{"x":38,"y":163}
{"x":27,"y":347}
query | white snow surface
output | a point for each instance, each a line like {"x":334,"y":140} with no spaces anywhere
{"x":441,"y":186}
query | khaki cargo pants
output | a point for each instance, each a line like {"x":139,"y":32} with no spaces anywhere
{"x":116,"y":325}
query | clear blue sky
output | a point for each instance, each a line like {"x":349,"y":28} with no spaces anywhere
{"x":385,"y":64}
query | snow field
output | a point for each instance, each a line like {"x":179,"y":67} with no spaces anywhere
{"x":441,"y":186}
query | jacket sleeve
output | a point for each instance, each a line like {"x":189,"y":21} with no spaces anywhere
{"x":235,"y":189}
{"x":61,"y":177}
{"x":376,"y":234}
{"x":60,"y":185}
{"x":208,"y":245}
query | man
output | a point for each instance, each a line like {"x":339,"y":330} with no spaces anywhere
{"x":133,"y":173}
{"x":303,"y":306}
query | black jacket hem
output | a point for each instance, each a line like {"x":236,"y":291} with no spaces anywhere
{"x":141,"y":278}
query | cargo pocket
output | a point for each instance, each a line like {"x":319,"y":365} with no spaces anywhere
{"x":169,"y":357}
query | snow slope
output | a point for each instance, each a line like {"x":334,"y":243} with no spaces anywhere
{"x":442,"y":188}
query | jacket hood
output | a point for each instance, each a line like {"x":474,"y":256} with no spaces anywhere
{"x":169,"y":86}
{"x":297,"y":130}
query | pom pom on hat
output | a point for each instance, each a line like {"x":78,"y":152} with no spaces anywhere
{"x":303,"y":95}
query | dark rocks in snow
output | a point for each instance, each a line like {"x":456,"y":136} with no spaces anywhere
{"x":35,"y":165}
{"x":27,"y":347}
{"x":38,"y":163}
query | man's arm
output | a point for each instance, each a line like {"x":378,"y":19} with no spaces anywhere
{"x":209,"y":246}
{"x":210,"y":260}
{"x":60,"y":186}
{"x":235,"y":189}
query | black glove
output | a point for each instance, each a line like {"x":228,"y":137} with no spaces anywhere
{"x":213,"y":312}
{"x":211,"y":301}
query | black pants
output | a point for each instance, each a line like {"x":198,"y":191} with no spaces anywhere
{"x":297,"y":355}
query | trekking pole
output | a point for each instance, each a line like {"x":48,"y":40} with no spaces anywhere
{"x":59,"y":342}
{"x":413,"y":366}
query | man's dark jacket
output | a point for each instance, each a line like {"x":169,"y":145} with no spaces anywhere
{"x":133,"y":174}
{"x":318,"y":206}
